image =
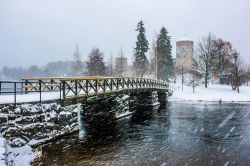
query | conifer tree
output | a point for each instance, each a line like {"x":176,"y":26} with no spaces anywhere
{"x":95,"y":64}
{"x":165,"y":65}
{"x":141,"y":62}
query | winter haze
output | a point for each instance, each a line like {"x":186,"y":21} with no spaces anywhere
{"x":37,"y":32}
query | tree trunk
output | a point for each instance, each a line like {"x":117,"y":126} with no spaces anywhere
{"x":206,"y":80}
{"x":238,"y":90}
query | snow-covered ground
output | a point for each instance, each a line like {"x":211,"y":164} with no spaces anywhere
{"x":2,"y":151}
{"x":214,"y":92}
{"x":5,"y":99}
{"x":20,"y":156}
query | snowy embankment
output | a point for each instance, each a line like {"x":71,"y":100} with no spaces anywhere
{"x":2,"y":151}
{"x":214,"y":92}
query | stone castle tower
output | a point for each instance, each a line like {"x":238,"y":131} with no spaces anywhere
{"x":184,"y":53}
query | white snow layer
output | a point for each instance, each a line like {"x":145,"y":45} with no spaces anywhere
{"x":2,"y":151}
{"x":21,"y":156}
{"x":31,"y":97}
{"x":214,"y":92}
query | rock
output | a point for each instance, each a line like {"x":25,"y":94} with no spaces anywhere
{"x":12,"y":132}
{"x":3,"y":119}
{"x":17,"y":142}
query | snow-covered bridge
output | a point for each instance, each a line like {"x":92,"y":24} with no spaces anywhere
{"x":70,"y":88}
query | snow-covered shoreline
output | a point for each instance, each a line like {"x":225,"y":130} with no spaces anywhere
{"x":214,"y":93}
{"x":2,"y":151}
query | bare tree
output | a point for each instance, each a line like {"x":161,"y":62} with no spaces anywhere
{"x":239,"y":73}
{"x":193,"y":78}
{"x":205,"y":52}
{"x":223,"y":56}
{"x":77,"y":62}
{"x":95,"y":64}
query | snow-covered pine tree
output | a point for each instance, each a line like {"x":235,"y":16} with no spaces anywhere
{"x":141,"y":62}
{"x":95,"y":64}
{"x":165,"y":64}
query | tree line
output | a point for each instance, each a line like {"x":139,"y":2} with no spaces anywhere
{"x":214,"y":56}
{"x":217,"y":57}
{"x":162,"y":58}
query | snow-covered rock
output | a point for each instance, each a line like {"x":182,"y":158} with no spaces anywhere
{"x":29,"y":122}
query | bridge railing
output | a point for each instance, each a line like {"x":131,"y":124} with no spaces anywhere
{"x":94,"y":86}
{"x":23,"y":87}
{"x":78,"y":86}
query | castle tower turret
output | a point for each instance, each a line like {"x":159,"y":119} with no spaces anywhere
{"x":184,"y":53}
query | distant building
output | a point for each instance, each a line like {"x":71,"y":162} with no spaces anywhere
{"x":184,"y":54}
{"x":121,"y":66}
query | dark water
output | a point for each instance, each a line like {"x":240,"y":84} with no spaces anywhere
{"x":175,"y":134}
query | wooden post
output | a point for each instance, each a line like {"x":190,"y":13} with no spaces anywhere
{"x":104,"y":85}
{"x":76,"y":88}
{"x":117,"y":82}
{"x":60,"y":89}
{"x":26,"y":89}
{"x":64,"y":89}
{"x":87,"y":87}
{"x":96,"y":88}
{"x":15,"y":93}
{"x":40,"y":91}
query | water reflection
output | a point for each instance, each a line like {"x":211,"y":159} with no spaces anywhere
{"x":173,"y":134}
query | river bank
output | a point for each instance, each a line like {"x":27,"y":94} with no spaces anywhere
{"x":2,"y":151}
{"x":214,"y":93}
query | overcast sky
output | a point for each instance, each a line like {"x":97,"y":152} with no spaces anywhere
{"x":40,"y":31}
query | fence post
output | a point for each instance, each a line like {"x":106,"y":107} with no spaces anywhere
{"x":87,"y":87}
{"x":104,"y":85}
{"x":60,"y":89}
{"x":15,"y":93}
{"x":64,"y":89}
{"x":76,"y":88}
{"x":26,"y":89}
{"x":40,"y":91}
{"x":117,"y":82}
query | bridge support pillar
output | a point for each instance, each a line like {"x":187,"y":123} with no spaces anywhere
{"x":140,"y":100}
{"x":98,"y":116}
{"x":162,"y":97}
